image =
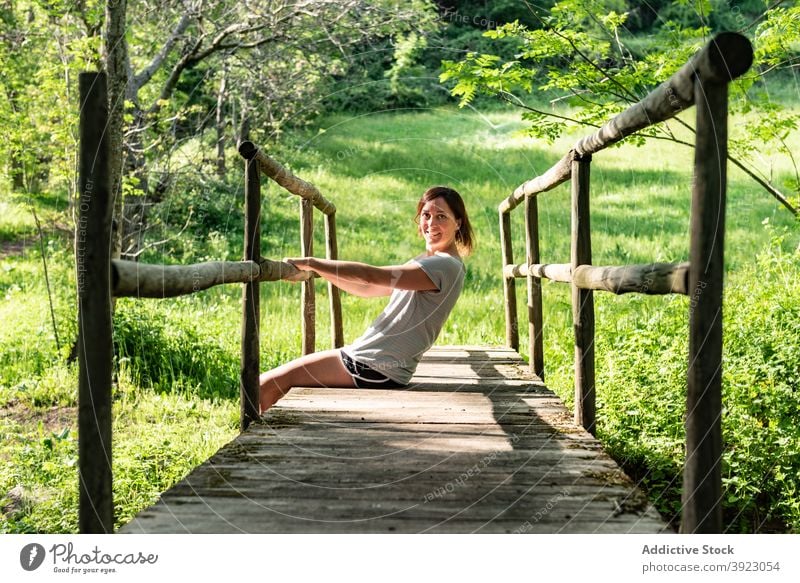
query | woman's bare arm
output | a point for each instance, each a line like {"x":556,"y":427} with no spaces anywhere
{"x":367,"y":280}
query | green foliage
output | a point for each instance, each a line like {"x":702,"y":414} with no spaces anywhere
{"x":761,"y":469}
{"x":407,"y":50}
{"x":38,"y":486}
{"x":157,"y":440}
{"x":164,"y":350}
{"x":44,"y":45}
{"x":641,"y":356}
{"x":581,"y":56}
{"x":175,"y":394}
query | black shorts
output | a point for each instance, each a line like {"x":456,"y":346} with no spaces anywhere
{"x":365,"y":377}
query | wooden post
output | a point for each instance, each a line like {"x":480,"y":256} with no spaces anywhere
{"x":582,"y":300}
{"x":307,"y":300}
{"x":251,"y":301}
{"x":509,"y":285}
{"x":92,"y":247}
{"x":701,"y":475}
{"x":535,"y":343}
{"x":332,"y":252}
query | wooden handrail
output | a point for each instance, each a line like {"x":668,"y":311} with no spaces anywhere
{"x":650,"y":278}
{"x":702,"y":81}
{"x":285,"y":178}
{"x":311,"y":198}
{"x":147,"y":280}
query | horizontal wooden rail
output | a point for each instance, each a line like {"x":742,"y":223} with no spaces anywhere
{"x":723,"y":59}
{"x":650,"y":278}
{"x":557,"y":174}
{"x":132,"y":279}
{"x":553,"y":271}
{"x":285,"y":178}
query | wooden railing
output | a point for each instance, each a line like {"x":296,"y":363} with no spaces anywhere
{"x":702,"y":82}
{"x":310,"y":199}
{"x":100,"y":279}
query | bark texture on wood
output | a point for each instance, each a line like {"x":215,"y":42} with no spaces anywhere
{"x":332,"y":252}
{"x":553,"y":271}
{"x":308,"y":302}
{"x":116,"y":53}
{"x":509,"y":286}
{"x":702,"y":482}
{"x":144,"y":280}
{"x":251,"y":302}
{"x":286,"y":179}
{"x":535,"y":316}
{"x":653,"y":278}
{"x":650,"y":278}
{"x":582,"y":300}
{"x":96,"y":506}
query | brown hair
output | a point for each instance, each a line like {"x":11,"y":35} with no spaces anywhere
{"x":464,"y":236}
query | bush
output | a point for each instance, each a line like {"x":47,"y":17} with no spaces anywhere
{"x":641,"y":396}
{"x":761,"y":468}
{"x":158,"y":348}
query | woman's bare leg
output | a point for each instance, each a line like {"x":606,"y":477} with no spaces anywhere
{"x":320,"y":369}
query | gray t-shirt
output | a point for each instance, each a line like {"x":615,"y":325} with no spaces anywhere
{"x":395,"y":342}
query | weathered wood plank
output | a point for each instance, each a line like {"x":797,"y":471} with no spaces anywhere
{"x":499,"y":455}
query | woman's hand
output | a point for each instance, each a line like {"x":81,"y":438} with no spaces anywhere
{"x":301,"y":264}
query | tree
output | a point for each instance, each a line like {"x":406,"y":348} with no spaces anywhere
{"x":583,"y":53}
{"x":282,"y":48}
{"x":43,"y":45}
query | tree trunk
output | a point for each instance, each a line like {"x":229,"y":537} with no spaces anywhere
{"x":220,"y":121}
{"x":244,"y":122}
{"x":17,"y":172}
{"x":116,"y":49}
{"x":126,"y":156}
{"x":134,"y":209}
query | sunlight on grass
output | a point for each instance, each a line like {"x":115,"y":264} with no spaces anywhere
{"x":176,"y":398}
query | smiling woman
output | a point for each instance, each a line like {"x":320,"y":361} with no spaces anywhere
{"x":423,"y":292}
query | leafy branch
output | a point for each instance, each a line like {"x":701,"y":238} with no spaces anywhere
{"x":601,"y":78}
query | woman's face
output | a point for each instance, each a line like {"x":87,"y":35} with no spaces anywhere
{"x":438,"y":225}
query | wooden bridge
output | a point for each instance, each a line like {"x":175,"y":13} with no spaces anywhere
{"x":475,"y":444}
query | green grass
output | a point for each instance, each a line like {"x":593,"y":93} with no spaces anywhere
{"x":176,"y":397}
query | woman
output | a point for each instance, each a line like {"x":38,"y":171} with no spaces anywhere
{"x":423,"y":292}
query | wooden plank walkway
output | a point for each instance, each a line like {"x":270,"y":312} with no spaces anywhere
{"x":475,"y":444}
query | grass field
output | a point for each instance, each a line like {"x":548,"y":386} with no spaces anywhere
{"x":177,"y":390}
